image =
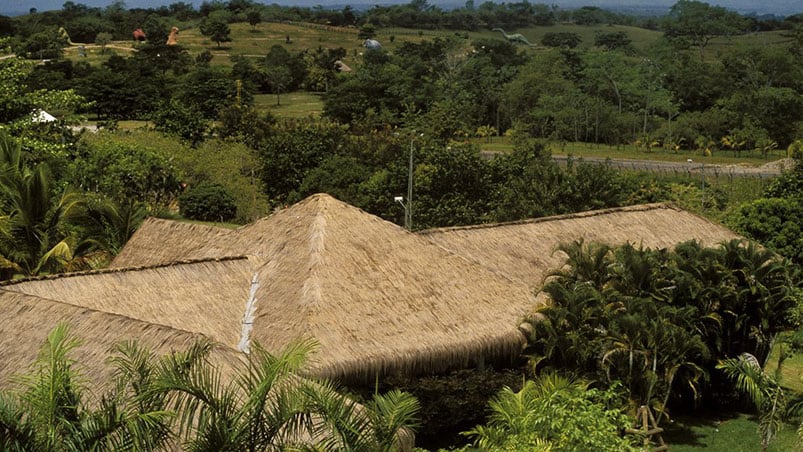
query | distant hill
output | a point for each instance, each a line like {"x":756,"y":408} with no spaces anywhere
{"x":779,"y":7}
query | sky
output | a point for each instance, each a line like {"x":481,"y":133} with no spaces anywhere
{"x":782,"y":7}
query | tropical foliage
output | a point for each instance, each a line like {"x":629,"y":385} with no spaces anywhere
{"x":158,"y":402}
{"x":658,"y":320}
{"x":554,"y":413}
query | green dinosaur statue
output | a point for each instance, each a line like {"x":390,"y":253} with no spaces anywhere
{"x":515,"y":37}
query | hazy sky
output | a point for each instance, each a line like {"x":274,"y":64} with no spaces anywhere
{"x":744,"y":6}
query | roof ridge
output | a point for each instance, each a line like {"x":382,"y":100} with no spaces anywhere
{"x":566,"y":216}
{"x":311,"y":290}
{"x":109,"y":270}
{"x":189,"y":223}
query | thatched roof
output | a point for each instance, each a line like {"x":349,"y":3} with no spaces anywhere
{"x":525,"y":250}
{"x":376,"y":297}
{"x":27,"y":320}
{"x":160,"y":241}
{"x":204,"y":297}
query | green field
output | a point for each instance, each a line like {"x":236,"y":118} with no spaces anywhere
{"x":630,"y":151}
{"x":300,"y":104}
{"x":722,"y":432}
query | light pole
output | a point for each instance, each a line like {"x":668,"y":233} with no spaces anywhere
{"x":408,"y":213}
{"x":408,"y":206}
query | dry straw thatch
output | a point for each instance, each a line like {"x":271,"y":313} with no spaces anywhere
{"x":27,"y":320}
{"x":525,"y":250}
{"x":160,"y":241}
{"x":376,"y":297}
{"x":204,"y":297}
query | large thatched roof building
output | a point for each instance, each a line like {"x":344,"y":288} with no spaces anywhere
{"x":376,"y":297}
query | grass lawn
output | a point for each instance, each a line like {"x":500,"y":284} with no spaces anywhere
{"x":629,"y":151}
{"x":791,"y":371}
{"x":298,"y":104}
{"x":730,"y":433}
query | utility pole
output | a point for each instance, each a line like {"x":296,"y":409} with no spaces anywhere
{"x":408,"y":212}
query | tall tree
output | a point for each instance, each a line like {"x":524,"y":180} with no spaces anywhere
{"x":695,"y":23}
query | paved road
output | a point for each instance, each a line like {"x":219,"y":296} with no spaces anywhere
{"x":682,"y":167}
{"x":694,"y":167}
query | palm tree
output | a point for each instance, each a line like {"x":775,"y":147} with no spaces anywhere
{"x":268,"y":406}
{"x":37,"y":239}
{"x":586,"y":262}
{"x":553,"y":411}
{"x":156,"y":402}
{"x":763,"y":389}
{"x":105,"y":227}
{"x":50,"y":412}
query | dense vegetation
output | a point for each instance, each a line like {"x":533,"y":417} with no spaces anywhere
{"x":640,"y":326}
{"x":160,"y":402}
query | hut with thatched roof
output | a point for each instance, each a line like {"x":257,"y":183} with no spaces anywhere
{"x":377,"y":298}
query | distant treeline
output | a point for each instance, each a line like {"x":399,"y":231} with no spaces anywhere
{"x":84,"y":23}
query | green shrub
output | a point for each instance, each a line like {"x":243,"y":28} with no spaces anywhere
{"x":208,"y":202}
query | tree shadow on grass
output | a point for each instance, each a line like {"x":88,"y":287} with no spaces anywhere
{"x":691,"y":430}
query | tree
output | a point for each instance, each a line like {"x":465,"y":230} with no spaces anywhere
{"x":267,"y":405}
{"x":38,"y":237}
{"x":125,"y":172}
{"x":103,"y":39}
{"x":763,"y":389}
{"x":216,"y":29}
{"x":175,"y":118}
{"x":613,"y":40}
{"x":773,"y":222}
{"x":561,"y":39}
{"x":45,"y":44}
{"x":279,"y":78}
{"x":207,"y":202}
{"x":553,"y":413}
{"x":658,"y":320}
{"x":292,"y":151}
{"x":209,"y":90}
{"x":695,"y":23}
{"x":254,"y":17}
{"x":51,"y":410}
{"x":367,"y":31}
